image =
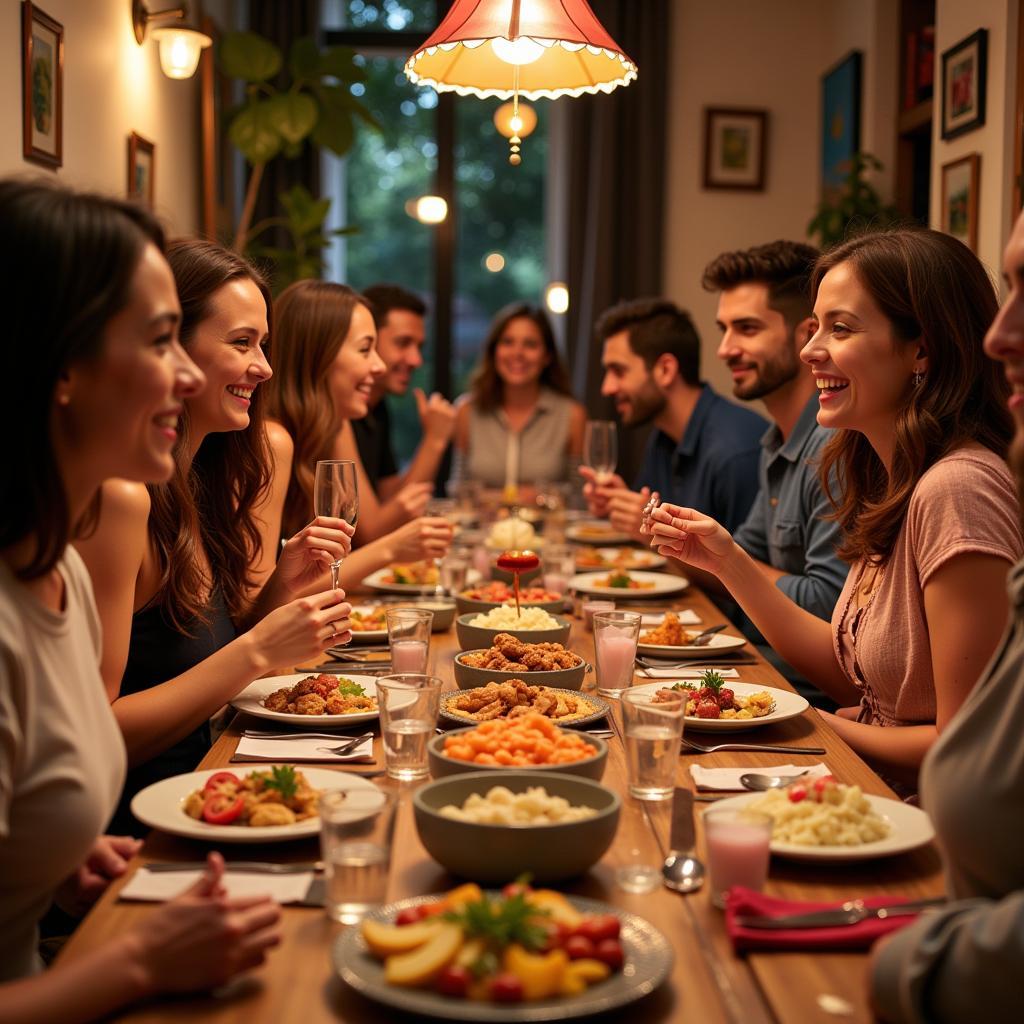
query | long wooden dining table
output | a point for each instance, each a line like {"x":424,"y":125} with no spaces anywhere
{"x":708,"y":983}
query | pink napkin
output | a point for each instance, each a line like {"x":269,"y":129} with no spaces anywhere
{"x":862,"y":935}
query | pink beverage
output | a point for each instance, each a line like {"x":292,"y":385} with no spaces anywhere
{"x":616,"y":653}
{"x":556,"y":582}
{"x":482,"y":562}
{"x":408,"y":656}
{"x":737,"y":849}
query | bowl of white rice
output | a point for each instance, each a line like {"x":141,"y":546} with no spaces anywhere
{"x":533,"y":625}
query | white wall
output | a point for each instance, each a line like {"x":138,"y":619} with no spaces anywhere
{"x":112,"y":87}
{"x":994,"y":140}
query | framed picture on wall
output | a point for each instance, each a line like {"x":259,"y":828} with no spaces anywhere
{"x":960,"y":199}
{"x":141,"y":156}
{"x":840,"y":130}
{"x":735,"y":148}
{"x":964,"y":71}
{"x":42,"y":90}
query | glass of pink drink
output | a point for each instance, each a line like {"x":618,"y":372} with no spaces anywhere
{"x":737,"y":843}
{"x":409,"y":638}
{"x":615,"y":639}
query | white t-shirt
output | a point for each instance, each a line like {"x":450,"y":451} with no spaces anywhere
{"x":62,"y":758}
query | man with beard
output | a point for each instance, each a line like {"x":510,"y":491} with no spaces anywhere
{"x":704,"y":450}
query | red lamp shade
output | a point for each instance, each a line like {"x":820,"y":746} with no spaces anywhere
{"x":533,"y":48}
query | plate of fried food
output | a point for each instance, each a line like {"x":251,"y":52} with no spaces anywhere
{"x":617,"y":558}
{"x":622,"y":584}
{"x":670,"y":639}
{"x":517,"y":697}
{"x":548,"y":664}
{"x":596,"y":531}
{"x":264,"y":805}
{"x":368,"y":624}
{"x":311,"y":700}
{"x":718,"y":705}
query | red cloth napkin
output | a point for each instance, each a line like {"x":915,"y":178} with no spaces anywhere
{"x":862,"y":935}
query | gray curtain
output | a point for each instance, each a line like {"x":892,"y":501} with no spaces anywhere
{"x":616,"y":197}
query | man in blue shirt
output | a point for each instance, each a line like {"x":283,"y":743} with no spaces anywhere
{"x":704,"y":451}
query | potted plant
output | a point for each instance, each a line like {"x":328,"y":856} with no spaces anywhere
{"x":855,"y":206}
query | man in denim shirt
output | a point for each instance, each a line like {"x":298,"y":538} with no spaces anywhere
{"x":764,"y":314}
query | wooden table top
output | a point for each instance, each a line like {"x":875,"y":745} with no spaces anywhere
{"x":709,"y":982}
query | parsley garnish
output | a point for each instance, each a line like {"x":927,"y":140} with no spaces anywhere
{"x":283,"y":778}
{"x":348,"y":688}
{"x":712,"y":680}
{"x":500,"y":922}
{"x":683,"y":686}
{"x":619,"y":579}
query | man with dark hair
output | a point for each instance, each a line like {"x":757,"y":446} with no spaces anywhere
{"x":765,"y":316}
{"x":704,"y":450}
{"x":399,"y":316}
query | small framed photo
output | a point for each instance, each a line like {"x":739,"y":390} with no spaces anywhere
{"x":735,"y":148}
{"x":964,"y":73}
{"x":840,"y":131}
{"x":42,"y":96}
{"x":140,"y":169}
{"x":960,"y":199}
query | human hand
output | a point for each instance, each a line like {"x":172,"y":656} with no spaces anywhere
{"x":437,"y":416}
{"x":308,"y":555}
{"x":423,"y":538}
{"x":412,"y":498}
{"x":626,"y":511}
{"x":107,"y":860}
{"x":303,"y":628}
{"x":689,"y":536}
{"x":598,"y":494}
{"x":201,"y":940}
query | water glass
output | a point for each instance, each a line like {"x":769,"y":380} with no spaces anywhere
{"x":590,"y":607}
{"x":408,"y":703}
{"x":559,"y":566}
{"x":652,"y":733}
{"x":454,"y":569}
{"x":615,"y":639}
{"x":409,"y":638}
{"x":356,"y":829}
{"x":737,"y":842}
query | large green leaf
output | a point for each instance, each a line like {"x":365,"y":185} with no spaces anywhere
{"x":306,"y":215}
{"x":304,"y":58}
{"x":249,"y":56}
{"x":253,"y":132}
{"x":334,"y":128}
{"x":293,"y":115}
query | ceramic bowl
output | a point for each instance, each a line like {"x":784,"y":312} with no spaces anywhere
{"x":471,"y":637}
{"x":466,"y":677}
{"x":443,"y":608}
{"x":442,"y":765}
{"x":465,"y":605}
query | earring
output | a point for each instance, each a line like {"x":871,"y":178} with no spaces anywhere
{"x":63,"y":398}
{"x":918,"y":378}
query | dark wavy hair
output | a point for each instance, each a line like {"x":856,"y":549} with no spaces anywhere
{"x":207,"y":506}
{"x":383,"y":298}
{"x":67,"y":260}
{"x":935,"y":294}
{"x":656,"y":327}
{"x":485,"y":387}
{"x":313,"y":319}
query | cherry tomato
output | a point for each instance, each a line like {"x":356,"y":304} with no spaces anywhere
{"x":515,"y":889}
{"x":431,"y":909}
{"x":453,"y":981}
{"x":579,"y":947}
{"x":219,"y":809}
{"x":217,"y":779}
{"x":797,"y":793}
{"x":610,"y":951}
{"x":507,"y":988}
{"x":411,"y":915}
{"x":599,"y":927}
{"x":820,"y":785}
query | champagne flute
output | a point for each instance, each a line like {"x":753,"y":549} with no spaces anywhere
{"x":336,"y":493}
{"x":600,"y":449}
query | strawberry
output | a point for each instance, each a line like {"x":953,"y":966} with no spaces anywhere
{"x":726,"y":698}
{"x":708,"y":709}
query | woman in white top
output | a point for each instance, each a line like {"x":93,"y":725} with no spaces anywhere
{"x":93,"y":351}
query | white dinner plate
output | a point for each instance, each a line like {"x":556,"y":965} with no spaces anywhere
{"x":162,"y":805}
{"x":376,"y":581}
{"x":251,"y":700}
{"x":639,"y":559}
{"x":664,"y":583}
{"x":910,"y":828}
{"x":787,"y":705}
{"x":368,"y":636}
{"x":718,"y":642}
{"x":597,"y":531}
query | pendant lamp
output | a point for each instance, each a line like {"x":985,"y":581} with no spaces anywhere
{"x":538,"y":49}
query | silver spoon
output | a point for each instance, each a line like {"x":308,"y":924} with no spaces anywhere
{"x":760,"y":783}
{"x":681,"y":870}
{"x":703,"y":639}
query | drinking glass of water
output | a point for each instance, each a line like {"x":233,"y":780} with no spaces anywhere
{"x":454,"y":569}
{"x":615,"y":639}
{"x":652,"y":731}
{"x":408,"y":703}
{"x":409,"y":638}
{"x":336,"y":493}
{"x":356,"y":829}
{"x":600,"y":448}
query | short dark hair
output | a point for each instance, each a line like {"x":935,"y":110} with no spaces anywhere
{"x":785,"y":267}
{"x":383,"y":298}
{"x":67,"y":260}
{"x":656,"y":327}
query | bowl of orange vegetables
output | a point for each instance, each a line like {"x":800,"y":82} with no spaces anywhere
{"x":530,"y":743}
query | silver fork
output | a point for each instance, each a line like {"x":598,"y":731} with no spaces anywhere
{"x":766,"y":748}
{"x":347,"y":747}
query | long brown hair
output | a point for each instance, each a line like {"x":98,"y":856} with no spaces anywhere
{"x":486,"y":387}
{"x":207,"y":506}
{"x":935,"y":294}
{"x":312,"y":320}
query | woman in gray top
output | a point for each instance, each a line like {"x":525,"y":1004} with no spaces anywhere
{"x":519,"y":424}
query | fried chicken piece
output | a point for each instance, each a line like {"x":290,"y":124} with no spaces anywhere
{"x":338,"y":705}
{"x":510,"y":647}
{"x":489,"y":711}
{"x":545,"y":703}
{"x":310,"y":704}
{"x":278,"y":700}
{"x":477,"y":698}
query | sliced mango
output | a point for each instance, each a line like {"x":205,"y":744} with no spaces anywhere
{"x":422,"y":965}
{"x":388,"y":939}
{"x":470,"y":892}
{"x":540,"y":973}
{"x":558,"y":907}
{"x":591,"y":971}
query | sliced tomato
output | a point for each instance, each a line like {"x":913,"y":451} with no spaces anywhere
{"x":219,"y":809}
{"x":217,"y":779}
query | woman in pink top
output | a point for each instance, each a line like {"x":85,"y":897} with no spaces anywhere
{"x":928,"y":509}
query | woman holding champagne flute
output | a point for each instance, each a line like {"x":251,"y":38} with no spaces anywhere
{"x":194,"y":602}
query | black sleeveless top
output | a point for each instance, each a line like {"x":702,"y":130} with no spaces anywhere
{"x":158,"y":652}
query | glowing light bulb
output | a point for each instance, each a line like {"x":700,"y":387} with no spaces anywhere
{"x":517,"y":51}
{"x":179,"y":50}
{"x":556,"y":295}
{"x":494,"y":262}
{"x":427,"y":209}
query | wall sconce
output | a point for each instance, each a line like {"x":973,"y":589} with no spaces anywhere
{"x":180,"y":46}
{"x":427,"y":209}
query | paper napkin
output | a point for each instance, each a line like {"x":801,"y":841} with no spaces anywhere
{"x":688,"y":617}
{"x":684,"y":673}
{"x":157,"y":886}
{"x":307,"y":748}
{"x":729,"y":778}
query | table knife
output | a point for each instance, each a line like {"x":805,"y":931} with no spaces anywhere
{"x":682,"y":837}
{"x":850,"y":913}
{"x":246,"y":866}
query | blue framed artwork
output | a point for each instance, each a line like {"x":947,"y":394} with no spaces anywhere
{"x":840,"y":136}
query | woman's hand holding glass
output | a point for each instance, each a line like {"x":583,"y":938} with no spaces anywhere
{"x":336,"y":495}
{"x":424,"y":538}
{"x":689,"y":536}
{"x":303,"y":629}
{"x":312,"y":551}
